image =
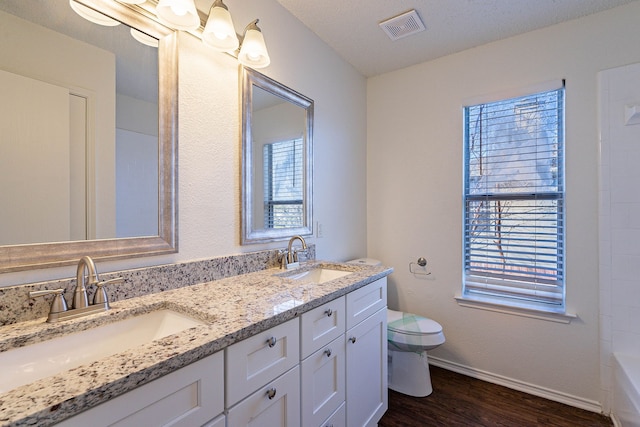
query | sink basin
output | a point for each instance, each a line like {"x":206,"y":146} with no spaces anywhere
{"x":318,"y":275}
{"x":27,"y":364}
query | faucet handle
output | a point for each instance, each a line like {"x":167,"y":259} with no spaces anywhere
{"x":58,"y":305}
{"x":296,"y":252}
{"x":101,"y":297}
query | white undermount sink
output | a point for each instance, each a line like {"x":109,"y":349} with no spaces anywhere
{"x":318,"y":275}
{"x":27,"y":364}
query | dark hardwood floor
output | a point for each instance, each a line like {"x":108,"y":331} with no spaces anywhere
{"x":459,"y":400}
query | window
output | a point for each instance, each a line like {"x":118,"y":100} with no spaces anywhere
{"x":283,"y":184}
{"x":514,"y":201}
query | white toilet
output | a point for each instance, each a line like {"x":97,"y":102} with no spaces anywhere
{"x":408,"y":338}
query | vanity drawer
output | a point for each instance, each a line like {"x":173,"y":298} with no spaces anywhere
{"x":323,"y":387}
{"x":276,"y":404}
{"x":254,"y":362}
{"x":365,"y":301}
{"x":322,"y":325}
{"x":189,"y":396}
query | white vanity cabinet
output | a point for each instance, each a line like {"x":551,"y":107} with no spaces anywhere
{"x":324,"y":359}
{"x":190,"y":396}
{"x":366,"y":369}
{"x":338,"y":418}
{"x":320,"y":326}
{"x":275,"y":405}
{"x":327,"y":368}
{"x":352,"y":367}
{"x":262,"y":385}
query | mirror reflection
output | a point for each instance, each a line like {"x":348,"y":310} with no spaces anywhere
{"x":277,"y":160}
{"x":88,"y":152}
{"x":78,"y":127}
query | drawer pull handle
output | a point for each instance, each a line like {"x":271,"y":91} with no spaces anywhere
{"x":352,"y":339}
{"x":271,"y":393}
{"x":272,"y":341}
{"x":328,"y":312}
{"x":328,"y":352}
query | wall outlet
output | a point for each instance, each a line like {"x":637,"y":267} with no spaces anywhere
{"x":319,"y":230}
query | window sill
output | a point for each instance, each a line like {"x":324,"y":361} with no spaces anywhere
{"x":516,"y":310}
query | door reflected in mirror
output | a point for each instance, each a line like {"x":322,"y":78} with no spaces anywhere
{"x":78,"y":127}
{"x":277,"y":160}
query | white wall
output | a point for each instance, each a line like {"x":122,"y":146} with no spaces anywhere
{"x":619,"y":219}
{"x":54,"y":60}
{"x":414,"y":190}
{"x":209,"y":143}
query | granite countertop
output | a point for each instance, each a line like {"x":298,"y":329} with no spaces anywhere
{"x":232,"y":309}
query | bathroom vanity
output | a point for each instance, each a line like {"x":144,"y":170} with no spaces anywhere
{"x":299,"y":350}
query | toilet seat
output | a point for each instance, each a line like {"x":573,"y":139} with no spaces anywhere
{"x":410,"y":332}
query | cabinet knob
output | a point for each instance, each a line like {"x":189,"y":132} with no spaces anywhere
{"x":328,"y":312}
{"x":272,"y":341}
{"x":271,"y":393}
{"x":352,"y":339}
{"x":328,"y":352}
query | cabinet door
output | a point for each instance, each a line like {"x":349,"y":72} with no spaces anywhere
{"x":275,"y":405}
{"x":323,"y":382}
{"x":253,"y":362}
{"x":338,"y":418}
{"x":367,"y":398}
{"x":365,"y":301}
{"x":187,"y":397}
{"x":320,"y":326}
{"x":218,"y":422}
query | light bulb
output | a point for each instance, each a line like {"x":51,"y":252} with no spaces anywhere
{"x":92,"y":15}
{"x":219,"y":31}
{"x":178,"y":14}
{"x":179,"y":10}
{"x":253,"y":52}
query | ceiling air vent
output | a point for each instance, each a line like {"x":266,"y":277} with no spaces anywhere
{"x":402,"y":25}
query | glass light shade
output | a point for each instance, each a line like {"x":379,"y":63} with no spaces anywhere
{"x":91,"y":15}
{"x":132,"y":1}
{"x":253,"y":52}
{"x":178,"y":14}
{"x":144,"y":38}
{"x":219,"y":31}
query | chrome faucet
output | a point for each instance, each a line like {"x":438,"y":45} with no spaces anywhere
{"x":80,"y":306}
{"x":290,"y":257}
{"x":80,"y":298}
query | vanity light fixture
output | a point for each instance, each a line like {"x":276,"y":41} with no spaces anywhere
{"x":91,"y":15}
{"x":178,"y":14}
{"x":219,"y":32}
{"x":253,"y":52}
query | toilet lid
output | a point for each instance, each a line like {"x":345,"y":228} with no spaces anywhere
{"x":411,"y":324}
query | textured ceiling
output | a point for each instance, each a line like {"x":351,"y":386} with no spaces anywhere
{"x":351,"y":28}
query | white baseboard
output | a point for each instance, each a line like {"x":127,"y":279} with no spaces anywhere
{"x":616,"y":421}
{"x":535,"y":390}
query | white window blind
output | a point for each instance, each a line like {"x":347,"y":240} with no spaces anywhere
{"x":514,"y":200}
{"x":283,"y":184}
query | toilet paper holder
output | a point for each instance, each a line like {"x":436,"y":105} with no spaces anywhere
{"x":421,"y":262}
